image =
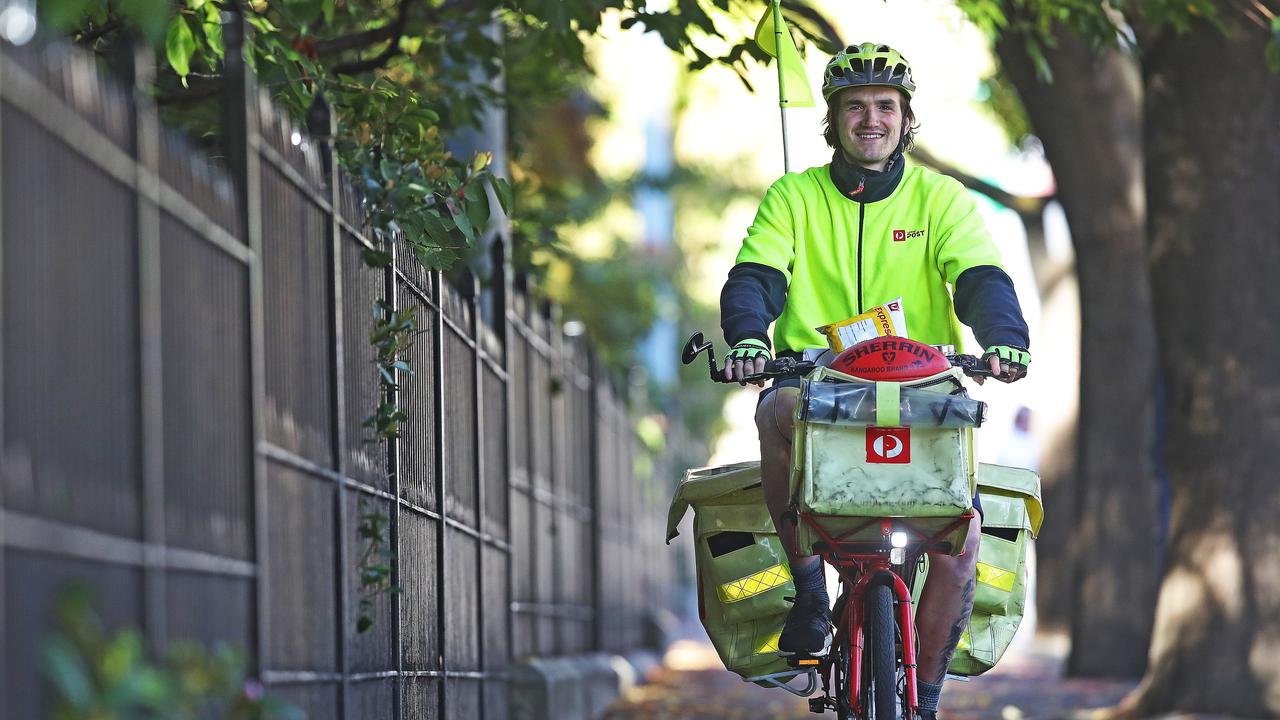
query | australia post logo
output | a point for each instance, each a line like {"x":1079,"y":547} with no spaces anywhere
{"x":889,"y":445}
{"x":904,"y":235}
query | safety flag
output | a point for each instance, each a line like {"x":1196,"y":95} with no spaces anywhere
{"x":793,"y":83}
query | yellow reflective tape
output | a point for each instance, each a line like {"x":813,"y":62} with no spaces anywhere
{"x":755,"y":583}
{"x":996,"y":577}
{"x":964,"y":643}
{"x":770,"y":644}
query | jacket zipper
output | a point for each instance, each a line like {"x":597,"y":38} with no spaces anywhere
{"x":862,"y":213}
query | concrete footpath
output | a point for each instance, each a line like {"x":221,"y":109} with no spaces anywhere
{"x":1027,"y":685}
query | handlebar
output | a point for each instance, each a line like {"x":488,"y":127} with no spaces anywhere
{"x":781,"y":368}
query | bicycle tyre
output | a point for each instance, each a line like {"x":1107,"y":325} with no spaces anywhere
{"x":880,"y":666}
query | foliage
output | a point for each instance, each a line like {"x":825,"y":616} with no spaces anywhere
{"x":402,"y":77}
{"x":392,"y":334}
{"x":97,"y":675}
{"x":614,"y":297}
{"x":1104,"y":24}
{"x":374,"y":564}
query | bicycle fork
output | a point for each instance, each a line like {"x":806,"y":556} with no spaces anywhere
{"x":880,"y":574}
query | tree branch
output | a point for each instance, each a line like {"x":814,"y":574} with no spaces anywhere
{"x":88,"y":38}
{"x":1022,"y":204}
{"x":357,"y":41}
{"x":392,"y":32}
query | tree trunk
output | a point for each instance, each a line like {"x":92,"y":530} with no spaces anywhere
{"x":1213,"y":191}
{"x":1089,"y":120}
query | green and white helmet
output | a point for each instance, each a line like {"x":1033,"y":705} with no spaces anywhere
{"x":867,"y":64}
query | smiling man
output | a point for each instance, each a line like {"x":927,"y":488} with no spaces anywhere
{"x":828,"y":244}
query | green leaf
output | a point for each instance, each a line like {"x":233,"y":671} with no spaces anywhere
{"x":434,"y":228}
{"x":502,"y":189}
{"x":262,"y":24}
{"x":376,"y":258}
{"x":179,"y":44}
{"x":65,"y":669}
{"x":462,"y":221}
{"x":364,"y":623}
{"x":478,"y":209}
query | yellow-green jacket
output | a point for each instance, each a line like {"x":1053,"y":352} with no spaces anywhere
{"x":836,"y":257}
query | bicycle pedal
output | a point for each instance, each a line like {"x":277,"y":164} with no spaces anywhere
{"x":820,"y":705}
{"x":804,"y":660}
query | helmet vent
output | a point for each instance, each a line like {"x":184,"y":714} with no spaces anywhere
{"x":878,"y":66}
{"x":883,"y":49}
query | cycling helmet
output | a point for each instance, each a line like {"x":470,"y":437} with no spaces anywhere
{"x":867,"y":64}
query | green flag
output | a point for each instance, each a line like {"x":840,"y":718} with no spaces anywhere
{"x":793,"y":84}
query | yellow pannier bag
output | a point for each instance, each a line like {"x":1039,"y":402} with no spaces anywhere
{"x":1012,"y":513}
{"x":867,"y":450}
{"x":742,"y":571}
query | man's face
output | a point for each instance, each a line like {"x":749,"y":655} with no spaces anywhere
{"x":869,"y":120}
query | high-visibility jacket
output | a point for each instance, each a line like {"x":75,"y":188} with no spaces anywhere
{"x":840,"y":257}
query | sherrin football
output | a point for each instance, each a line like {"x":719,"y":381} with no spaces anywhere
{"x":891,"y":358}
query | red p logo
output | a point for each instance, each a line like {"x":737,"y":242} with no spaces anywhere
{"x":889,"y":445}
{"x":899,"y":235}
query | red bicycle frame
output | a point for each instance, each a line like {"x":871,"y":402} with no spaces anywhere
{"x":858,"y":570}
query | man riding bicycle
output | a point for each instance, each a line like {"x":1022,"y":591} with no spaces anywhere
{"x":828,"y":244}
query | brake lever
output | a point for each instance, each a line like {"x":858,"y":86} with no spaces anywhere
{"x":779,"y":368}
{"x":971,"y":366}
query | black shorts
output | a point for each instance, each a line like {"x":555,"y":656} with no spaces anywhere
{"x":785,"y":382}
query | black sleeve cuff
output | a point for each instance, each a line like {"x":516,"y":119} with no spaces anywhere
{"x":753,"y":297}
{"x":986,"y":302}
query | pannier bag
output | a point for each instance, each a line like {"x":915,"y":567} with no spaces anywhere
{"x":884,"y":449}
{"x":743,"y":576}
{"x":1012,"y":513}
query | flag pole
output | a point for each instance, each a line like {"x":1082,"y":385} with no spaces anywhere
{"x":782,"y":107}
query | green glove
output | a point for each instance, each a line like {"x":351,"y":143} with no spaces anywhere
{"x":1016,"y":359}
{"x":748,"y":350}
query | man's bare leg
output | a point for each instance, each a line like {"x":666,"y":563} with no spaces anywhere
{"x":775,"y":419}
{"x":808,"y":625}
{"x":943,"y":614}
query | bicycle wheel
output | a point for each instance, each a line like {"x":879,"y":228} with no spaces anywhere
{"x":879,"y":664}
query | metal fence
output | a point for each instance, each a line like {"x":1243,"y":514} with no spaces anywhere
{"x":186,"y":366}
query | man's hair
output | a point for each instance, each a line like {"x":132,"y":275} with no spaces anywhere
{"x":909,"y":124}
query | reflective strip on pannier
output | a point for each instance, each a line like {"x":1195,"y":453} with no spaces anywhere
{"x":756,"y":583}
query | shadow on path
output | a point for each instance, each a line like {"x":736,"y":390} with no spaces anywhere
{"x":1027,"y":685}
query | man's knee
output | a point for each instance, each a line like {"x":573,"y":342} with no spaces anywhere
{"x":959,"y":569}
{"x":775,"y":416}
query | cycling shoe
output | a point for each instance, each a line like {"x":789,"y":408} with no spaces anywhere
{"x":808,"y":627}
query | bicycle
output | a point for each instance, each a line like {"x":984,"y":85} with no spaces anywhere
{"x":871,"y":669}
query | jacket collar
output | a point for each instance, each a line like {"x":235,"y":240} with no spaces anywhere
{"x":862,"y":185}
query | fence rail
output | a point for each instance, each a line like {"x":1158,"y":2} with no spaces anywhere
{"x":186,"y":366}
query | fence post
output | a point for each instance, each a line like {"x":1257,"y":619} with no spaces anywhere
{"x":322,"y":126}
{"x":442,"y":467}
{"x":240,"y":138}
{"x":597,"y":496}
